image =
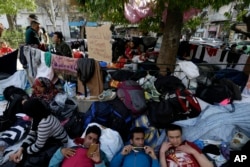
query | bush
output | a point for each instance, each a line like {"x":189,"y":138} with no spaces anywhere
{"x":14,"y":38}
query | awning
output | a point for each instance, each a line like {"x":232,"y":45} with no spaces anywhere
{"x":91,"y":24}
{"x":76,"y":23}
{"x":199,"y":30}
{"x":82,"y":23}
{"x":212,"y":28}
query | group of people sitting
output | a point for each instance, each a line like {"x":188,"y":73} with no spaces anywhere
{"x":47,"y":136}
{"x":37,"y":35}
{"x":47,"y":133}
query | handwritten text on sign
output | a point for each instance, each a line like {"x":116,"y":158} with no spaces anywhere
{"x":99,"y":46}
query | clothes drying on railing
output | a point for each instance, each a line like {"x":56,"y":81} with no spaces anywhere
{"x":64,"y":65}
{"x":45,"y":64}
{"x":30,"y":58}
{"x":217,"y":56}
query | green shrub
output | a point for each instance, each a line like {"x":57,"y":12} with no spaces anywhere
{"x":14,"y":38}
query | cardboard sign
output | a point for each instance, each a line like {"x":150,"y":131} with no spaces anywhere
{"x":99,"y":46}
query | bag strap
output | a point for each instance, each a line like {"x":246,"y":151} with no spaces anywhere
{"x":181,"y":100}
{"x":187,"y":100}
{"x":233,"y":108}
{"x":192,"y":100}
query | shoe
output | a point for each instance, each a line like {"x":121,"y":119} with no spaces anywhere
{"x":107,"y":95}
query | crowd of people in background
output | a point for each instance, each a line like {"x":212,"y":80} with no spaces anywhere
{"x":37,"y":36}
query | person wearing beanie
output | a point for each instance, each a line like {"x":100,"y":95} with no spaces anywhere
{"x":46,"y":133}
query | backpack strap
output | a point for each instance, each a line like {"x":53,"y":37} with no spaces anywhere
{"x":187,"y":101}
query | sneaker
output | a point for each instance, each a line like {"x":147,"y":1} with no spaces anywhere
{"x":107,"y":95}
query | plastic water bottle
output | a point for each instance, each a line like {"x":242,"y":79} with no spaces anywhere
{"x":70,"y":89}
{"x":225,"y":150}
{"x":28,"y":88}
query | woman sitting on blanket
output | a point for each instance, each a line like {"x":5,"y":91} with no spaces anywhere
{"x":45,"y":137}
{"x":44,"y":89}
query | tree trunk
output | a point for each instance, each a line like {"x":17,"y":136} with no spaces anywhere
{"x":170,"y":41}
{"x":10,"y":20}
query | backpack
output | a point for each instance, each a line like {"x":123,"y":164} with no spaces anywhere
{"x":62,"y":106}
{"x":74,"y":126}
{"x":161,"y":114}
{"x":214,"y":93}
{"x":185,"y":102}
{"x":112,"y":114}
{"x":238,"y":77}
{"x":85,"y":71}
{"x":179,"y":104}
{"x":164,"y":84}
{"x":14,"y":96}
{"x":132,"y":95}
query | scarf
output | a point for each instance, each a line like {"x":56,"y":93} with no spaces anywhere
{"x":49,"y":89}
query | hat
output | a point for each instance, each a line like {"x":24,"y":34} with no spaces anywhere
{"x":33,"y":17}
{"x":36,"y":20}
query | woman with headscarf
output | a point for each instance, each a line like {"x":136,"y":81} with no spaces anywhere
{"x":44,"y":89}
{"x":46,"y":135}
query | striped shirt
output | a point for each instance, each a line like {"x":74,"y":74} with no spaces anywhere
{"x":49,"y":127}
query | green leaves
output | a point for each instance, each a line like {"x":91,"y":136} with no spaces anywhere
{"x":113,"y":10}
{"x":13,"y":6}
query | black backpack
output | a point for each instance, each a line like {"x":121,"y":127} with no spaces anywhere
{"x":161,"y":114}
{"x":179,"y":104}
{"x":14,"y":96}
{"x":112,"y":114}
{"x":216,"y":92}
{"x":165,"y":84}
{"x":74,"y":126}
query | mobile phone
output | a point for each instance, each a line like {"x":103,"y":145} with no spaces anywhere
{"x":92,"y":149}
{"x":138,"y":148}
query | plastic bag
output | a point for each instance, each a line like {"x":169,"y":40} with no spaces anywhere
{"x":110,"y":139}
{"x":70,"y":89}
{"x":130,"y":13}
{"x":63,"y":106}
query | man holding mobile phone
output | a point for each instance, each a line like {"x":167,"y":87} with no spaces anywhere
{"x":136,"y":154}
{"x":87,"y":153}
{"x":176,"y":152}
